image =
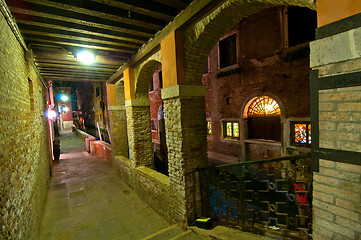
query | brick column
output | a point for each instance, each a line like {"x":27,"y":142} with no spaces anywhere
{"x":336,"y":116}
{"x":185,"y":123}
{"x":139,"y":132}
{"x":117,"y":119}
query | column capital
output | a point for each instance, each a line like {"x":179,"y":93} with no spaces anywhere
{"x":184,"y":91}
{"x":116,"y":108}
{"x":140,"y":102}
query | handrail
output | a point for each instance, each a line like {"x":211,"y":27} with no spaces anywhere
{"x":290,"y":157}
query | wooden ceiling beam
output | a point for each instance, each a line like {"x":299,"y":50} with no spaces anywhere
{"x":148,"y":8}
{"x":46,"y":33}
{"x":65,"y":42}
{"x":91,"y":22}
{"x":100,"y":11}
{"x":73,"y":31}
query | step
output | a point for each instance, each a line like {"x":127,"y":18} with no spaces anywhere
{"x":188,"y":235}
{"x":166,"y":233}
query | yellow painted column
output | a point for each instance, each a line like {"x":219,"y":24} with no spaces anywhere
{"x":329,"y":11}
{"x":110,"y":94}
{"x":172,"y":59}
{"x":129,"y":84}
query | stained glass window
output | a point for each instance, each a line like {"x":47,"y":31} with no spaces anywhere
{"x":301,"y":133}
{"x":209,"y":127}
{"x":231,"y":130}
{"x":264,"y":106}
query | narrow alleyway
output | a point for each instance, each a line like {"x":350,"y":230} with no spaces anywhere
{"x":88,"y":201}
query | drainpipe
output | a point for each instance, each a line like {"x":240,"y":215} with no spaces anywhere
{"x":14,"y":27}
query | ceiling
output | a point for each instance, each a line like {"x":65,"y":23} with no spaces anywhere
{"x":113,"y":30}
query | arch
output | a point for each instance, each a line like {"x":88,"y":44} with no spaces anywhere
{"x":143,"y":73}
{"x":202,"y":36}
{"x":251,"y":97}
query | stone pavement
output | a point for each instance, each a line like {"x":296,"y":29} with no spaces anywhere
{"x":87,"y":200}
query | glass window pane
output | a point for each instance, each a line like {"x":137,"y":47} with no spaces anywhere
{"x":229,"y":129}
{"x":235,"y":130}
{"x":309,"y":133}
{"x":300,"y":133}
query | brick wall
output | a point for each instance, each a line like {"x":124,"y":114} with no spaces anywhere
{"x":24,"y":145}
{"x":269,"y":71}
{"x":337,"y":191}
{"x":337,"y":201}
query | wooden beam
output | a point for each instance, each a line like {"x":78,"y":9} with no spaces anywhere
{"x":24,"y":24}
{"x":152,"y":9}
{"x":120,"y":16}
{"x":91,"y":22}
{"x":181,"y":19}
{"x":76,"y":38}
{"x":64,"y":42}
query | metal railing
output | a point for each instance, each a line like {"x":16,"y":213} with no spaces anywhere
{"x":267,"y":197}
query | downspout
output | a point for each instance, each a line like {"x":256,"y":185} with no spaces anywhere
{"x":14,"y":27}
{"x":10,"y":20}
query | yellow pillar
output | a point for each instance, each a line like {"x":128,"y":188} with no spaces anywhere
{"x":329,"y":11}
{"x":172,"y":59}
{"x":110,"y":94}
{"x":129,"y":84}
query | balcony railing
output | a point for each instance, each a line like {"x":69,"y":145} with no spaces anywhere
{"x":267,"y":197}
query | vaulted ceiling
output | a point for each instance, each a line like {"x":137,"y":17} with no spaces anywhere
{"x":113,"y":30}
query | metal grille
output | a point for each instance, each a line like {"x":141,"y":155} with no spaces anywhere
{"x":269,"y":196}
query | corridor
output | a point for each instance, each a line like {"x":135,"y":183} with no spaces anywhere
{"x":88,"y":201}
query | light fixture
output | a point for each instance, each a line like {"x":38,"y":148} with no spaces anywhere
{"x":85,"y":57}
{"x":51,"y":114}
{"x":65,"y":109}
{"x":64,"y":98}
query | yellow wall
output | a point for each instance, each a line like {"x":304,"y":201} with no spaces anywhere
{"x":172,"y":59}
{"x":129,"y":87}
{"x":329,"y":11}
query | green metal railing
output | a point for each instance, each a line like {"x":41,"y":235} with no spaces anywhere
{"x":271,"y":196}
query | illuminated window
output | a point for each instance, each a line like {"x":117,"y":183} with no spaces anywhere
{"x":209,"y":128}
{"x":263,"y":119}
{"x":301,"y":133}
{"x":231,"y":130}
{"x":263,"y":106}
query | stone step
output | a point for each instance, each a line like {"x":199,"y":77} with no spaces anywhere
{"x":188,"y":235}
{"x":166,"y":233}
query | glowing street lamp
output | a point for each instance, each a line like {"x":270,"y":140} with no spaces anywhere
{"x":64,"y":98}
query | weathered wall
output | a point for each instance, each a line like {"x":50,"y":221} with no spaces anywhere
{"x":265,"y":66}
{"x":337,"y":192}
{"x":24,"y":145}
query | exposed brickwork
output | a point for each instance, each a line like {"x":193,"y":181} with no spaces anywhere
{"x":139,"y":136}
{"x":186,"y":140}
{"x":337,"y":201}
{"x":201,"y":37}
{"x":261,"y":72}
{"x":340,"y":118}
{"x":24,"y":145}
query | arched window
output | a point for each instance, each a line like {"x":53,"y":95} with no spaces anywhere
{"x":263,"y":119}
{"x":263,"y":106}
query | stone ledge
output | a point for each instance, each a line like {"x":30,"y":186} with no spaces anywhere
{"x":142,"y":102}
{"x":336,"y":48}
{"x":184,"y":91}
{"x":116,"y":108}
{"x":154,"y":175}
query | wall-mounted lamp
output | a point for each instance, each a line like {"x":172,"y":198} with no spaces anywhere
{"x":51,"y":114}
